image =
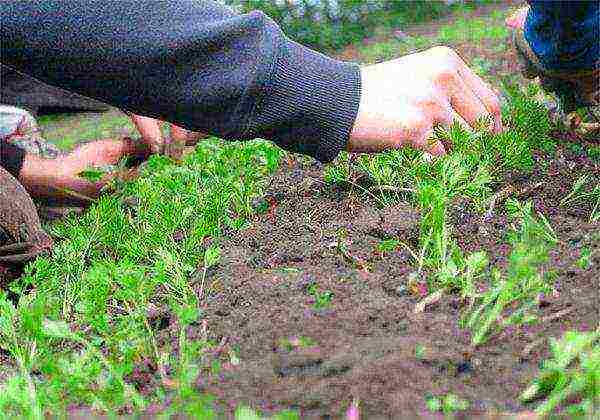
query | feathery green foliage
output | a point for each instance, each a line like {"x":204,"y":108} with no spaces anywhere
{"x":80,"y":317}
{"x":573,"y":373}
{"x":524,"y":280}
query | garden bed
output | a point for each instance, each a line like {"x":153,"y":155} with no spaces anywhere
{"x":244,"y":277}
{"x":367,"y":342}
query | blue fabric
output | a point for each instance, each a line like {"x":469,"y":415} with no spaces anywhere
{"x":565,"y":35}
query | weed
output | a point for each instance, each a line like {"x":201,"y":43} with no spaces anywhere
{"x":572,"y":374}
{"x":593,"y":152}
{"x":20,"y":392}
{"x":28,"y":336}
{"x":387,"y":245}
{"x":420,"y":351}
{"x":338,"y":173}
{"x":448,"y":404}
{"x":576,"y":148}
{"x":522,"y":283}
{"x":247,"y":413}
{"x":585,"y":260}
{"x":92,"y":174}
{"x":584,"y":189}
{"x":322,"y":298}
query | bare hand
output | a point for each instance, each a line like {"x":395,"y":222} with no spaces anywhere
{"x":150,"y":130}
{"x":404,"y":99}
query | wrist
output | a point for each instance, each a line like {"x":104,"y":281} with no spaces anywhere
{"x":310,"y":103}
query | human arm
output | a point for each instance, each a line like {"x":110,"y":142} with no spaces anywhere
{"x":204,"y":68}
{"x":61,"y":177}
{"x":192,"y":63}
{"x":47,"y":172}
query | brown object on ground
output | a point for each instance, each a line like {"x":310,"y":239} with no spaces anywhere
{"x":21,"y":235}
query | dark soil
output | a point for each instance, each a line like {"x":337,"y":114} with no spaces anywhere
{"x":368,"y":343}
{"x":364,"y":344}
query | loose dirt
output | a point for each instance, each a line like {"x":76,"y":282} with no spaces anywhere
{"x":368,"y":343}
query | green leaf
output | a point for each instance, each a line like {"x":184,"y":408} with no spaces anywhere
{"x":212,"y":256}
{"x":188,"y":314}
{"x":453,"y":403}
{"x":434,"y":404}
{"x":57,"y":329}
{"x":246,"y":413}
{"x":92,"y":174}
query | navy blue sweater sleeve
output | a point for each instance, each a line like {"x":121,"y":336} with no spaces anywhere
{"x":193,"y":63}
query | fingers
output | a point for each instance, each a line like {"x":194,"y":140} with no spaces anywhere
{"x":187,"y":137}
{"x":149,"y":129}
{"x":468,"y":101}
{"x":136,"y":149}
{"x":434,"y":87}
{"x":470,"y":96}
{"x":485,"y":94}
{"x":466,"y":104}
